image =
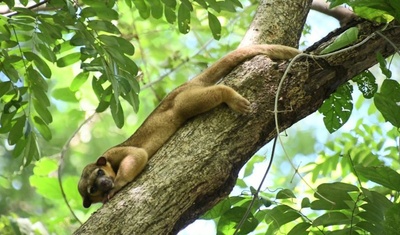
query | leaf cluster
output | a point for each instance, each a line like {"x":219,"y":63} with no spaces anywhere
{"x":363,"y":200}
{"x":338,"y":107}
{"x":33,"y":42}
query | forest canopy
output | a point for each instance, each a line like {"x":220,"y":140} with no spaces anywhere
{"x":78,"y":77}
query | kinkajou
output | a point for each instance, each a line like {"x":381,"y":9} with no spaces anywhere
{"x":121,"y":164}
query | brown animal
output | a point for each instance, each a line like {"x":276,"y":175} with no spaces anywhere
{"x":122,"y":163}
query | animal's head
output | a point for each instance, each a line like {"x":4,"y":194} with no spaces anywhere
{"x":96,"y":181}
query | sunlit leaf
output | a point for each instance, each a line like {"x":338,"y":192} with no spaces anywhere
{"x":64,"y":94}
{"x":382,"y":175}
{"x":217,"y":210}
{"x":78,"y":81}
{"x":345,"y":39}
{"x":45,"y":166}
{"x":337,"y":108}
{"x":366,"y":83}
{"x":230,"y":219}
{"x":69,"y":59}
{"x":387,"y":101}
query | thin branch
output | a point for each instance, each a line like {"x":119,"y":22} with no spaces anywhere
{"x":61,"y":163}
{"x":9,"y":13}
{"x":255,"y":196}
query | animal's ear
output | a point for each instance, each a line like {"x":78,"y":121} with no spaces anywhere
{"x":86,"y":202}
{"x":102,"y":161}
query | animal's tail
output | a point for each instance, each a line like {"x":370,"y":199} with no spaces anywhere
{"x":227,"y":63}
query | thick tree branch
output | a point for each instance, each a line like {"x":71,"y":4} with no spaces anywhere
{"x":198,"y":166}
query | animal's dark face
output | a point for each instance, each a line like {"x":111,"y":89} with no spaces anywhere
{"x":96,"y":181}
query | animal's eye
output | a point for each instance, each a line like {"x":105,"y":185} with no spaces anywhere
{"x":100,"y":172}
{"x":93,"y":189}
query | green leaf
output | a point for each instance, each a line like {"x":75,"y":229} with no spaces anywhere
{"x":300,"y":229}
{"x":183,"y":19}
{"x":170,"y":3}
{"x":45,"y":166}
{"x":19,"y":147}
{"x":78,"y":81}
{"x":392,"y":220}
{"x":31,"y":150}
{"x":337,"y":109}
{"x":331,"y":218}
{"x":279,"y":216}
{"x":117,"y":112}
{"x":144,"y":10}
{"x":345,"y":39}
{"x":383,"y":65}
{"x":388,"y":101}
{"x":230,"y":219}
{"x":40,"y":95}
{"x":156,"y":9}
{"x":170,"y":15}
{"x":16,"y":131}
{"x":48,"y":187}
{"x":248,"y":170}
{"x":42,"y":110}
{"x":305,"y":203}
{"x":42,"y":127}
{"x":382,"y":175}
{"x":64,"y":94}
{"x":284,"y":194}
{"x":117,"y":43}
{"x":374,"y":209}
{"x":133,"y":100}
{"x":337,"y":193}
{"x":102,"y":25}
{"x":39,"y":63}
{"x":4,"y":88}
{"x":46,"y":52}
{"x":215,"y":26}
{"x":366,"y":83}
{"x":69,"y":59}
{"x":217,"y":210}
{"x":214,"y":5}
{"x":102,"y":12}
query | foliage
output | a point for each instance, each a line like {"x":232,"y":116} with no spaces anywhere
{"x":339,"y":207}
{"x":376,"y":10}
{"x":74,"y":34}
{"x":50,"y":59}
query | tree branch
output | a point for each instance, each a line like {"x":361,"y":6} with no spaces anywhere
{"x":199,"y":165}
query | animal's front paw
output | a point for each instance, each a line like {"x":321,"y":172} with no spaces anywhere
{"x":240,"y":104}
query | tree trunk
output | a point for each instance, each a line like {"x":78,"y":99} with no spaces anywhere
{"x":198,"y":166}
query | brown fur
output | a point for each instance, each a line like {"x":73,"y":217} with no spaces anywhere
{"x":122,"y":163}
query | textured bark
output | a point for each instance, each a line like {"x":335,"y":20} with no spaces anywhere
{"x":198,"y":166}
